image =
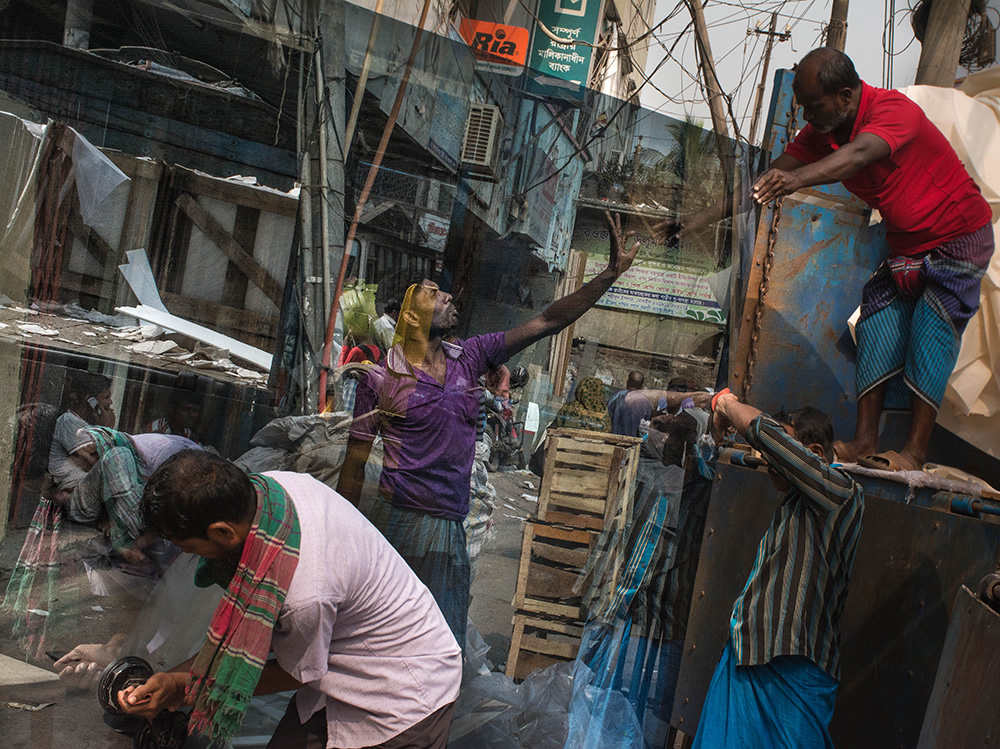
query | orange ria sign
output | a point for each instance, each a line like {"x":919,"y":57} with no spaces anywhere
{"x":494,"y":42}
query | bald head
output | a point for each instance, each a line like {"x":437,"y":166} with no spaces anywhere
{"x":828,"y":89}
{"x":635,"y":380}
{"x":830,"y":69}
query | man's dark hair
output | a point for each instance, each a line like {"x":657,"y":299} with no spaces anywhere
{"x":681,"y":385}
{"x":636,"y":380}
{"x":180,"y":396}
{"x":83,"y":385}
{"x":811,"y":426}
{"x":193,"y":489}
{"x":834,"y":69}
{"x":393,"y":305}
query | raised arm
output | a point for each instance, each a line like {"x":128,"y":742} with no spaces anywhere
{"x":671,"y":399}
{"x":784,"y":178}
{"x":729,"y":412}
{"x":824,"y":486}
{"x":563,"y":311}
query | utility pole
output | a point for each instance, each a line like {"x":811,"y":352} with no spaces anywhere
{"x":836,"y":32}
{"x":942,"y":42}
{"x":771,"y":35}
{"x":712,"y":87}
{"x":321,"y":146}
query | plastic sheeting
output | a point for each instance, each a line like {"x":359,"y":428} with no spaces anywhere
{"x":970,"y":119}
{"x":20,"y":145}
{"x":624,"y":680}
{"x":97,"y":179}
{"x":554,"y":708}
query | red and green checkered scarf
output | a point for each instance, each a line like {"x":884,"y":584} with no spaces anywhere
{"x":122,"y":481}
{"x":226,"y":671}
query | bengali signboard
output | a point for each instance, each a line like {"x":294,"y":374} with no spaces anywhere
{"x":566,"y":19}
{"x":658,"y":289}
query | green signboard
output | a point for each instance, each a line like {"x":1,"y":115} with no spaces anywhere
{"x":575,"y":20}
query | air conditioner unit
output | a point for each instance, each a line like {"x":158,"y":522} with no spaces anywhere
{"x":482,"y":135}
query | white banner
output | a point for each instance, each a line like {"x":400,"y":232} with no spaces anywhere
{"x":658,"y":289}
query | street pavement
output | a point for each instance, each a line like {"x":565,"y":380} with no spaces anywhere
{"x":496,"y":575}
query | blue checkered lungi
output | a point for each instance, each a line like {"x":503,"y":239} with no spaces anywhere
{"x":913,"y":314}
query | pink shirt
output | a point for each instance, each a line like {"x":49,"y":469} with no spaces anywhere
{"x":357,"y":627}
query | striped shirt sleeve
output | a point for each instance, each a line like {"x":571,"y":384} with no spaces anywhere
{"x":825,"y":487}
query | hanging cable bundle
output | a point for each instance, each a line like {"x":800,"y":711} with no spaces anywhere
{"x":978,"y":43}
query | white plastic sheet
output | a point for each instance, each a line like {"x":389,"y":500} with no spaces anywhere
{"x":970,"y":119}
{"x":96,"y":179}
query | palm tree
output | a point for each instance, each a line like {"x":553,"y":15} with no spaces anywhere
{"x":695,"y":159}
{"x":698,"y":158}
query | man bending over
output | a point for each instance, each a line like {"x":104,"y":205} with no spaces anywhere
{"x":307,"y":577}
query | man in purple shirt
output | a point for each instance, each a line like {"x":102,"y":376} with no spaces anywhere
{"x":425,"y":401}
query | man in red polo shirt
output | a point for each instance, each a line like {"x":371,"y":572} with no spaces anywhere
{"x":915,"y":307}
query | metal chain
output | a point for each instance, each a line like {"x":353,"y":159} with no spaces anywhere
{"x":765,"y":277}
{"x":761,"y":293}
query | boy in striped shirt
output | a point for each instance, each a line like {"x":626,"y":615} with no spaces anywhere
{"x":776,"y":682}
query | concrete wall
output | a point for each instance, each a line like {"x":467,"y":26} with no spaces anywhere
{"x":10,"y":399}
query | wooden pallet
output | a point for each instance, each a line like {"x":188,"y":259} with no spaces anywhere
{"x":551,"y":561}
{"x":588,"y":477}
{"x":538,"y":643}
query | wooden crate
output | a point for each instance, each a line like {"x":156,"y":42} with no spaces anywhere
{"x":588,"y":476}
{"x":551,"y":561}
{"x":538,"y":643}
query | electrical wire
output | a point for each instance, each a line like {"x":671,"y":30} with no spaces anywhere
{"x":750,"y":65}
{"x":593,"y":138}
{"x":888,"y":43}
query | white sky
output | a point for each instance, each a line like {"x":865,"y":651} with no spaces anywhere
{"x":739,"y":56}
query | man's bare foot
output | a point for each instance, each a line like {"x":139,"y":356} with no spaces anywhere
{"x":82,"y":666}
{"x":849,"y":452}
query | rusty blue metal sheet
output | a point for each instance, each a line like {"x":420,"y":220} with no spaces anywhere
{"x":780,"y":114}
{"x":805,"y":353}
{"x":910,"y":562}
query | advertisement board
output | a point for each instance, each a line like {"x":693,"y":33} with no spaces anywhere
{"x":500,"y":48}
{"x":435,"y":231}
